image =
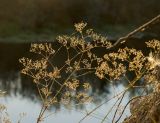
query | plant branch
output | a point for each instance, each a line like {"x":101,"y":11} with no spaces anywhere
{"x":139,"y":29}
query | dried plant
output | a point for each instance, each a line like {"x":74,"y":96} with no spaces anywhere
{"x":4,"y":117}
{"x":63,"y":81}
{"x":52,"y":80}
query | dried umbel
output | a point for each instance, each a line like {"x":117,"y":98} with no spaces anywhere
{"x":116,"y":64}
{"x":154,"y":44}
{"x":154,"y":56}
{"x":153,"y":76}
{"x":58,"y":84}
{"x":80,"y":26}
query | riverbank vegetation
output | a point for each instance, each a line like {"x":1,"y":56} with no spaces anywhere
{"x":81,"y":59}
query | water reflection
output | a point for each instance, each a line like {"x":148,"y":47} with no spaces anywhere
{"x":21,"y":97}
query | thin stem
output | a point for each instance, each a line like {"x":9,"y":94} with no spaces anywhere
{"x":89,"y":113}
{"x":118,"y":107}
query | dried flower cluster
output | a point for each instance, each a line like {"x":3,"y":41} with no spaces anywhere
{"x":153,"y":77}
{"x":117,"y":64}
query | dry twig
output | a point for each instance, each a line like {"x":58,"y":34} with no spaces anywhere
{"x":139,"y":29}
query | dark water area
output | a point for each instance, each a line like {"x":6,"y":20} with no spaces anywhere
{"x":10,"y":52}
{"x":22,"y":95}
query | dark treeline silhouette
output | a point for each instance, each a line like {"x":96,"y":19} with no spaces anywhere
{"x":39,"y":14}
